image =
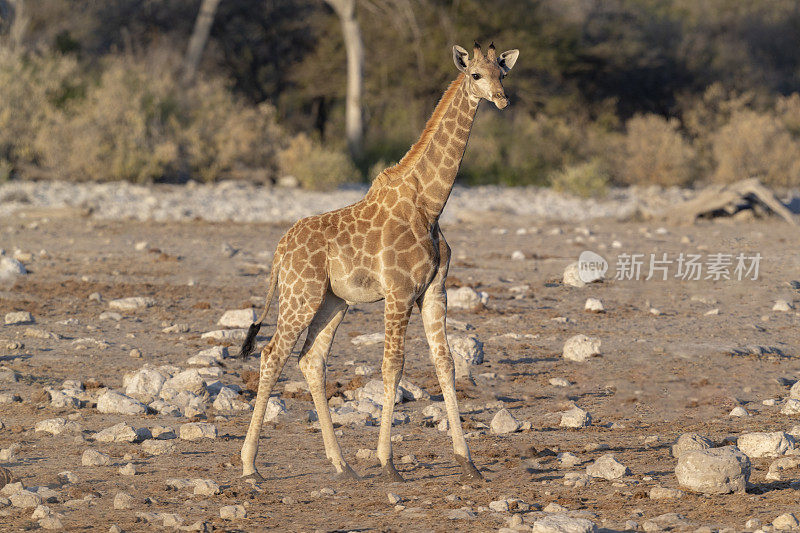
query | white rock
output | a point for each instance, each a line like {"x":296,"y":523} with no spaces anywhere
{"x":275,"y":408}
{"x":790,"y":407}
{"x":559,"y":382}
{"x":411,"y":392}
{"x":131,"y":304}
{"x":157,"y":447}
{"x":25,"y":499}
{"x":41,"y":511}
{"x":128,"y":470}
{"x":67,"y":477}
{"x":466,"y":351}
{"x":116,"y":403}
{"x":211,"y":356}
{"x":368,"y":339}
{"x":713,"y":471}
{"x":499,"y":506}
{"x":794,"y":392}
{"x":572,"y":277}
{"x":568,"y":459}
{"x":466,"y":298}
{"x":593,"y":305}
{"x":580,"y":348}
{"x":228,"y":400}
{"x":561,"y":523}
{"x":778,"y":466}
{"x":145,"y":383}
{"x":225,"y":335}
{"x":435,"y":411}
{"x":238,"y":318}
{"x":198,"y":430}
{"x":394,"y":499}
{"x":94,"y":458}
{"x":189,"y":380}
{"x":123,"y":500}
{"x":758,"y":444}
{"x":121,"y":432}
{"x":786,"y":522}
{"x":373,"y":391}
{"x":232,"y":512}
{"x":688,"y":442}
{"x":57,"y":426}
{"x":575,"y":418}
{"x":205,"y":487}
{"x":782,"y":305}
{"x":190,"y":403}
{"x":19,"y":317}
{"x":607,"y":467}
{"x":577,"y":480}
{"x":504,"y":422}
{"x":738,"y":411}
{"x":10,"y":269}
{"x":163,"y":433}
{"x":517,"y":255}
{"x":50,"y":522}
{"x":364,"y":370}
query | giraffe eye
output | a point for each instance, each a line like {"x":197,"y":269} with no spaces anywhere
{"x":476,"y":76}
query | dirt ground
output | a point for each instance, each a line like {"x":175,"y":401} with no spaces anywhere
{"x":659,"y":375}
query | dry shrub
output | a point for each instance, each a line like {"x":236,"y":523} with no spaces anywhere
{"x":314,"y":166}
{"x":586,"y":179}
{"x":757,"y":145}
{"x":653,"y":152}
{"x":131,"y":120}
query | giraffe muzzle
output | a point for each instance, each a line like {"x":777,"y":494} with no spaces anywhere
{"x":500,"y":100}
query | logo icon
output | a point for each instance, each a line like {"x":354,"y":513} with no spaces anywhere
{"x":591,"y":266}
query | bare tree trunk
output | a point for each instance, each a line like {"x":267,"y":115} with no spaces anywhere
{"x":354,"y":47}
{"x":202,"y":28}
{"x":13,"y":21}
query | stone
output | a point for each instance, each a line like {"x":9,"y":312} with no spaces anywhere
{"x":559,"y":382}
{"x":499,"y":506}
{"x":579,"y":348}
{"x":411,"y":392}
{"x":593,"y":305}
{"x":66,"y":477}
{"x":688,"y":442}
{"x":435,"y":411}
{"x":145,"y":383}
{"x":713,"y":470}
{"x":157,"y":447}
{"x":794,"y":392}
{"x":394,"y":499}
{"x":205,"y":487}
{"x":738,"y":411}
{"x":790,"y":407}
{"x":368,"y":339}
{"x":753,"y":523}
{"x":123,"y":500}
{"x":171,"y":520}
{"x":116,"y":403}
{"x":162,"y":433}
{"x":667,"y":522}
{"x":562,"y":523}
{"x":228,"y":400}
{"x":94,"y":458}
{"x":128,"y":470}
{"x":238,"y":318}
{"x":517,"y":255}
{"x":759,"y":444}
{"x":176,"y":328}
{"x":232,"y":512}
{"x":50,"y":522}
{"x":18,"y":317}
{"x":504,"y":422}
{"x":212,"y":356}
{"x":664,"y":493}
{"x":466,"y":298}
{"x":225,"y":335}
{"x":25,"y":499}
{"x":568,"y":459}
{"x":188,"y":380}
{"x":197,"y":431}
{"x":110,"y":315}
{"x":782,"y":305}
{"x":10,"y":269}
{"x":275,"y":408}
{"x":373,"y":391}
{"x":121,"y":432}
{"x":778,"y":466}
{"x":577,"y":480}
{"x":785,"y":522}
{"x":466,"y":351}
{"x":57,"y":426}
{"x":575,"y":418}
{"x":131,"y":304}
{"x":460,"y":514}
{"x":607,"y":467}
{"x":571,"y":276}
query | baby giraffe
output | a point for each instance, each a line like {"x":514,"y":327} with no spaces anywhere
{"x":388,"y":246}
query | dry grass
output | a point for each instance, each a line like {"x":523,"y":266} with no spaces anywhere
{"x":314,"y":166}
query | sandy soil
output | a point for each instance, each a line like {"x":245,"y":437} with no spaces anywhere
{"x":658,"y":376}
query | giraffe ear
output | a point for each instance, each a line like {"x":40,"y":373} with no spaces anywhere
{"x":507,"y":59}
{"x":460,"y":58}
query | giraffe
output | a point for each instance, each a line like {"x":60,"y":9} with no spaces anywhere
{"x":386,"y":246}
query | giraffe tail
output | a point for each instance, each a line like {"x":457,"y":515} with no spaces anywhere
{"x":250,"y":340}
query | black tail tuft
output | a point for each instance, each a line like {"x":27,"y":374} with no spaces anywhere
{"x":249,"y":342}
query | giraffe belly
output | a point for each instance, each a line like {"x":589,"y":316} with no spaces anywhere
{"x":358,"y":286}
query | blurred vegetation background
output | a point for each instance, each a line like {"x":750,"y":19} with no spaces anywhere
{"x":606,"y":92}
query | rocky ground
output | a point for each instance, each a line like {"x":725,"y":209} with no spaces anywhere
{"x":122,"y":410}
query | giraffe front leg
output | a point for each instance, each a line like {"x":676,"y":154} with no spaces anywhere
{"x":396,"y":322}
{"x":434,"y":315}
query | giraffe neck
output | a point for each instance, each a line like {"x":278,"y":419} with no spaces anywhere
{"x":431,"y":165}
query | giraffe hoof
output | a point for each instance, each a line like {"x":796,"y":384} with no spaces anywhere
{"x":468,"y":471}
{"x":390,"y":473}
{"x":255,"y":477}
{"x":347,"y":473}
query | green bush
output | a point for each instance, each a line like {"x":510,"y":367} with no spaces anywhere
{"x":589,"y":179}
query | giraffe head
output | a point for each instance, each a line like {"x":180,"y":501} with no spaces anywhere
{"x":485,"y":72}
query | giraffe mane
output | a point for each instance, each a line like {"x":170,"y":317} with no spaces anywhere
{"x":418,"y":148}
